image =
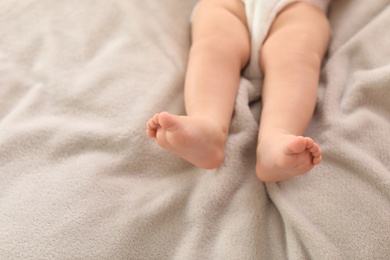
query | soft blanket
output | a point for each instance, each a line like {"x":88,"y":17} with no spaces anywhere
{"x":79,"y":179}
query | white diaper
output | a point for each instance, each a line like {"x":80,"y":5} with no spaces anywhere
{"x":260,"y":15}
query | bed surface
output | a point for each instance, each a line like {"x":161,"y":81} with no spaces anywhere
{"x":79,"y":179}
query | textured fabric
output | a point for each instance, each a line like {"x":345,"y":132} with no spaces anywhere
{"x":79,"y":179}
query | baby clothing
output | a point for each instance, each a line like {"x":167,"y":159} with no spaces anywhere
{"x":260,"y":14}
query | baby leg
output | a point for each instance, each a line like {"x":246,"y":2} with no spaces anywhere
{"x":290,"y":92}
{"x":220,"y":49}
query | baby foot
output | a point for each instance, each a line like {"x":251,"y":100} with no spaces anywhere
{"x":197,"y":140}
{"x":281,"y":156}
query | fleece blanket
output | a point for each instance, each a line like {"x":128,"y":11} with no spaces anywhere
{"x":79,"y":179}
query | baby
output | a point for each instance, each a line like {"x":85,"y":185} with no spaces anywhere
{"x":225,"y":38}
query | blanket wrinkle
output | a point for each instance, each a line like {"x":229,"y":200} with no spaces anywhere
{"x":79,"y":179}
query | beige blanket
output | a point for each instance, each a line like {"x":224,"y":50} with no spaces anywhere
{"x":79,"y":179}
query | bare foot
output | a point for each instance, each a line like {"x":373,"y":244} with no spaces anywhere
{"x":281,"y":156}
{"x":195,"y":139}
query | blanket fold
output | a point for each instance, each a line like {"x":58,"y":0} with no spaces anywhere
{"x":79,"y":179}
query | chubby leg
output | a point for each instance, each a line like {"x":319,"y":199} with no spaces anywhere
{"x":290,"y":92}
{"x":220,"y":49}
